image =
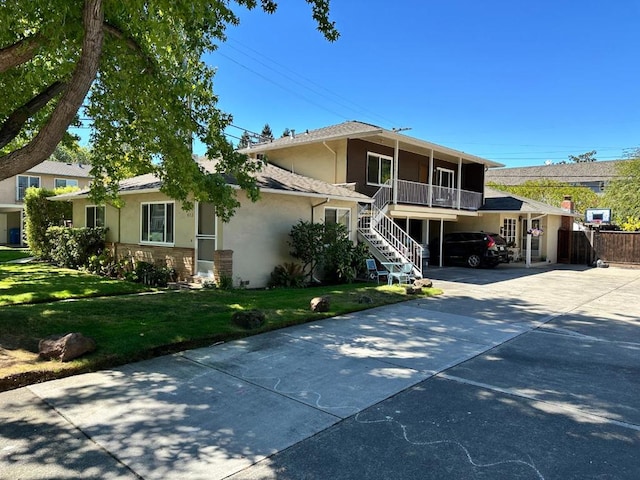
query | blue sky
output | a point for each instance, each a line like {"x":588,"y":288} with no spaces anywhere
{"x":515,"y":82}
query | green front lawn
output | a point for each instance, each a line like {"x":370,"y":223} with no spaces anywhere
{"x":8,"y":254}
{"x":133,"y":327}
{"x":40,"y":282}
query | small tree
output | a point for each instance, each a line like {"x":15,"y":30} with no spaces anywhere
{"x":266,"y":135}
{"x":245,"y":140}
{"x":584,"y":157}
{"x":307,"y":245}
{"x":326,"y":247}
{"x":41,"y":214}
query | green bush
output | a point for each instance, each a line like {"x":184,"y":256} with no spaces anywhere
{"x":152,"y":275}
{"x":40,"y":214}
{"x":326,"y":249}
{"x":73,"y":247}
{"x":288,"y":274}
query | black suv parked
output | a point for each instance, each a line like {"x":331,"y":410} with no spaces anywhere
{"x":474,"y":249}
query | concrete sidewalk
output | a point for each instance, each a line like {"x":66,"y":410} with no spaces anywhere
{"x":214,"y":412}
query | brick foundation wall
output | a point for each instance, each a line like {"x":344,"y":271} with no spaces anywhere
{"x":222,"y":264}
{"x":181,"y":259}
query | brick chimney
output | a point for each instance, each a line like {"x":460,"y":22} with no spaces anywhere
{"x":567,"y":204}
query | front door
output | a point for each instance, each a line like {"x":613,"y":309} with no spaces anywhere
{"x":535,"y":240}
{"x":205,"y":239}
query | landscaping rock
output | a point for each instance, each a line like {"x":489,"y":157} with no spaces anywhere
{"x":423,"y":283}
{"x":249,"y":319}
{"x":320,"y":304}
{"x":66,"y":347}
{"x":365,"y":299}
{"x":413,"y":290}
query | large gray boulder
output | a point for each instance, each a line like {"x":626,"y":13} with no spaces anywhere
{"x":320,"y":304}
{"x":66,"y":347}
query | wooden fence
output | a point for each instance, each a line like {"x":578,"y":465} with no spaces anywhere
{"x":584,"y":248}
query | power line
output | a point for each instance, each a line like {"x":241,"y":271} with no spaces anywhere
{"x":316,"y":88}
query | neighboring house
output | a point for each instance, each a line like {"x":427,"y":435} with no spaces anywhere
{"x":593,"y":175}
{"x":420,"y":189}
{"x":48,"y":175}
{"x":154,"y":228}
{"x":529,"y":226}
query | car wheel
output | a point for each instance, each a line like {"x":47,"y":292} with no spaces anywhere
{"x":474,"y":260}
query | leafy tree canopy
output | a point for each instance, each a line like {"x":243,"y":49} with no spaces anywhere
{"x":71,"y":154}
{"x":622,"y":194}
{"x":136,"y":67}
{"x":552,"y":192}
{"x":584,"y":157}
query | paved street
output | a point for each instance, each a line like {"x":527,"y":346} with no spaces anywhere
{"x":512,"y":373}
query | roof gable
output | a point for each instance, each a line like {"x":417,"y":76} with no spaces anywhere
{"x":61,"y":169}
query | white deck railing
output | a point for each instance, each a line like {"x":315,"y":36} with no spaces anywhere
{"x":415,"y":193}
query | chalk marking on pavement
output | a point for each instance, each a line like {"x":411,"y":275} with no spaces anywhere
{"x":252,"y":380}
{"x":511,"y":392}
{"x":405,"y":435}
{"x":565,"y":332}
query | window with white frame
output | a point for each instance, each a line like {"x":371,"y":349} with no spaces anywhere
{"x":509,"y":230}
{"x":24,"y":182}
{"x":65,"y":182}
{"x":378,"y":169}
{"x":94,"y":216}
{"x":157,"y":222}
{"x":334,"y":215}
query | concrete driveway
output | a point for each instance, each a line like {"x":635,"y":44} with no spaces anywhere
{"x":512,"y":373}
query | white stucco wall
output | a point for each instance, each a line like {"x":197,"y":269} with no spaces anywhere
{"x":259,"y":233}
{"x":326,"y":163}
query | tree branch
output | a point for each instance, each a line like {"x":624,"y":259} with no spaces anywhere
{"x":14,"y":123}
{"x":19,"y":52}
{"x":44,"y":143}
{"x":129,"y":42}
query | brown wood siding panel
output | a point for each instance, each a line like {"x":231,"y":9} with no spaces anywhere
{"x":357,"y":164}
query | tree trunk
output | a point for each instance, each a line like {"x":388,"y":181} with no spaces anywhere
{"x":44,"y":143}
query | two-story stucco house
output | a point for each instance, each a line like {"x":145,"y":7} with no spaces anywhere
{"x":420,"y":189}
{"x":48,"y":175}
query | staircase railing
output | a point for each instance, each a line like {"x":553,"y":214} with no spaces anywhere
{"x":405,"y":248}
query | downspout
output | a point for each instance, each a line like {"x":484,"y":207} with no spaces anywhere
{"x":335,"y":161}
{"x":313,"y":207}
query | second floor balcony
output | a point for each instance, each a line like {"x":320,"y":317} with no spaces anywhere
{"x":422,"y":194}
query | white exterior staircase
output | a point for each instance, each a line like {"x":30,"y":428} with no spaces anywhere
{"x":387,"y":242}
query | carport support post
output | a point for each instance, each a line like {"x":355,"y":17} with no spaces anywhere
{"x":528,"y":254}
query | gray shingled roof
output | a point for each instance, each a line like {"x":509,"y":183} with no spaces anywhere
{"x":355,"y":129}
{"x":499,"y":201}
{"x":599,"y":171}
{"x":269,"y":178}
{"x":61,"y":169}
{"x":342,"y":130}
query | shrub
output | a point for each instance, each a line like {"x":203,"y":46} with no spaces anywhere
{"x":40,"y":214}
{"x":73,"y":247}
{"x":327,"y":247}
{"x":225,"y":282}
{"x":288,"y":274}
{"x":152,"y":275}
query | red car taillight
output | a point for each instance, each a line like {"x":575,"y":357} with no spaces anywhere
{"x":491,"y":243}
